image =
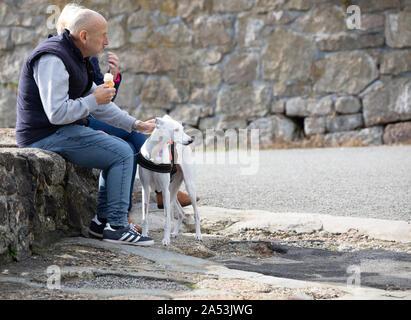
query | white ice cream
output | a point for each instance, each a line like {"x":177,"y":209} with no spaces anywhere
{"x":108,"y":77}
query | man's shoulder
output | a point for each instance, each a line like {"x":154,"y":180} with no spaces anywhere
{"x":50,"y":57}
{"x":46,"y":51}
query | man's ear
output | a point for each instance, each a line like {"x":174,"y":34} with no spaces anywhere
{"x":83,"y":35}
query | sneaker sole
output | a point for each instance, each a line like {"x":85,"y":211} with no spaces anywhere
{"x":145,"y":243}
{"x":97,"y":235}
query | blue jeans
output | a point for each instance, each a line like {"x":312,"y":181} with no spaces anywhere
{"x":134,"y":139}
{"x":93,"y":149}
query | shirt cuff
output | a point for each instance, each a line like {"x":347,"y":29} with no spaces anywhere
{"x":135,"y":124}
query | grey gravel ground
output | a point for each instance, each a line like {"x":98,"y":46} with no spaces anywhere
{"x":373,"y":182}
{"x":110,"y":281}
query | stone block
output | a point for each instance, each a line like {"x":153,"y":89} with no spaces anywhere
{"x":244,"y":102}
{"x":348,"y":41}
{"x":347,"y":105}
{"x":241,"y":68}
{"x":304,"y":107}
{"x":347,"y":72}
{"x":395,"y":62}
{"x":275,"y":129}
{"x":231,"y":6}
{"x":397,"y":29}
{"x":358,"y":138}
{"x":347,"y":122}
{"x":187,"y":114}
{"x":289,"y":56}
{"x":397,"y":133}
{"x":387,"y":101}
{"x":212,"y":31}
{"x":314,"y":125}
{"x":322,"y":20}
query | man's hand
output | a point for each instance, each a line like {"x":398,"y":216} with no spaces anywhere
{"x":114,"y":63}
{"x":146,"y":127}
{"x":104,"y":94}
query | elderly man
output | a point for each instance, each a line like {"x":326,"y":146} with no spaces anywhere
{"x":55,"y":94}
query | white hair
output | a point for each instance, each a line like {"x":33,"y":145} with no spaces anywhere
{"x":70,"y":11}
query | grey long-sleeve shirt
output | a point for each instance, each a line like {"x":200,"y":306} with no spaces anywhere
{"x":52,"y":80}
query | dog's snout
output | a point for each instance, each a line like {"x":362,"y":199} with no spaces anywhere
{"x":186,"y":143}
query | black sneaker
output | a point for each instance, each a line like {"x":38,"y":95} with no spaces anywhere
{"x":126,"y":235}
{"x":96,"y":227}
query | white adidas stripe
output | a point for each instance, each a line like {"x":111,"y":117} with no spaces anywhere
{"x":138,"y":238}
{"x":130,"y":239}
{"x":125,"y":236}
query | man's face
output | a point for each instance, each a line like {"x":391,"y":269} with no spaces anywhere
{"x":97,"y":39}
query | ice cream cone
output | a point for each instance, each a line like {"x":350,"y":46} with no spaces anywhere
{"x":108,"y":79}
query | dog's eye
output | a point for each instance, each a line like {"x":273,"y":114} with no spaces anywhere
{"x":177,"y":130}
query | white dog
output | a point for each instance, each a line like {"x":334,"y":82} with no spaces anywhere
{"x":154,"y":171}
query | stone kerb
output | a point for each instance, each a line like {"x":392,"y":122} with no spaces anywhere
{"x":42,"y":198}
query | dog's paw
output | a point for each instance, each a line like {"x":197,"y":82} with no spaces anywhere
{"x":144,"y":232}
{"x":174,"y":235}
{"x":199,"y":237}
{"x":166,"y":242}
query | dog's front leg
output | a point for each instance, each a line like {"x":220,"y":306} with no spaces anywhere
{"x":180,"y":217}
{"x":197,"y":222}
{"x":174,"y":186}
{"x":198,"y":235}
{"x":167,"y":213}
{"x":192,"y":193}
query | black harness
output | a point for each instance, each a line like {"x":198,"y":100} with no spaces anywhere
{"x":162,"y":167}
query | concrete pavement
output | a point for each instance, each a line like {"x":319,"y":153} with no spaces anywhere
{"x":380,"y":267}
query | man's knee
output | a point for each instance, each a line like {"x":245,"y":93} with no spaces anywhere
{"x":125,"y":150}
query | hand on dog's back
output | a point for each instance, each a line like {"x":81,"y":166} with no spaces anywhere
{"x":146,"y":127}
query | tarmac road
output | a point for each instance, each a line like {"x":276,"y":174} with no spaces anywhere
{"x":369,"y":182}
{"x":379,"y":269}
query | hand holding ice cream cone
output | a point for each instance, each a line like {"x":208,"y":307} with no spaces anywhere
{"x":103,"y":94}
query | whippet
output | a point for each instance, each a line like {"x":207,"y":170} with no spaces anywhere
{"x":155,"y":164}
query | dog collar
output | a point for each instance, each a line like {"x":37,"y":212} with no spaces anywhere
{"x":162,"y":167}
{"x":150,"y":165}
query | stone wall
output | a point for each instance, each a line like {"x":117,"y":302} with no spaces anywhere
{"x":291,"y":68}
{"x":42,"y":197}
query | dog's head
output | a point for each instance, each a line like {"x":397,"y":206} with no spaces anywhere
{"x":172,"y":130}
